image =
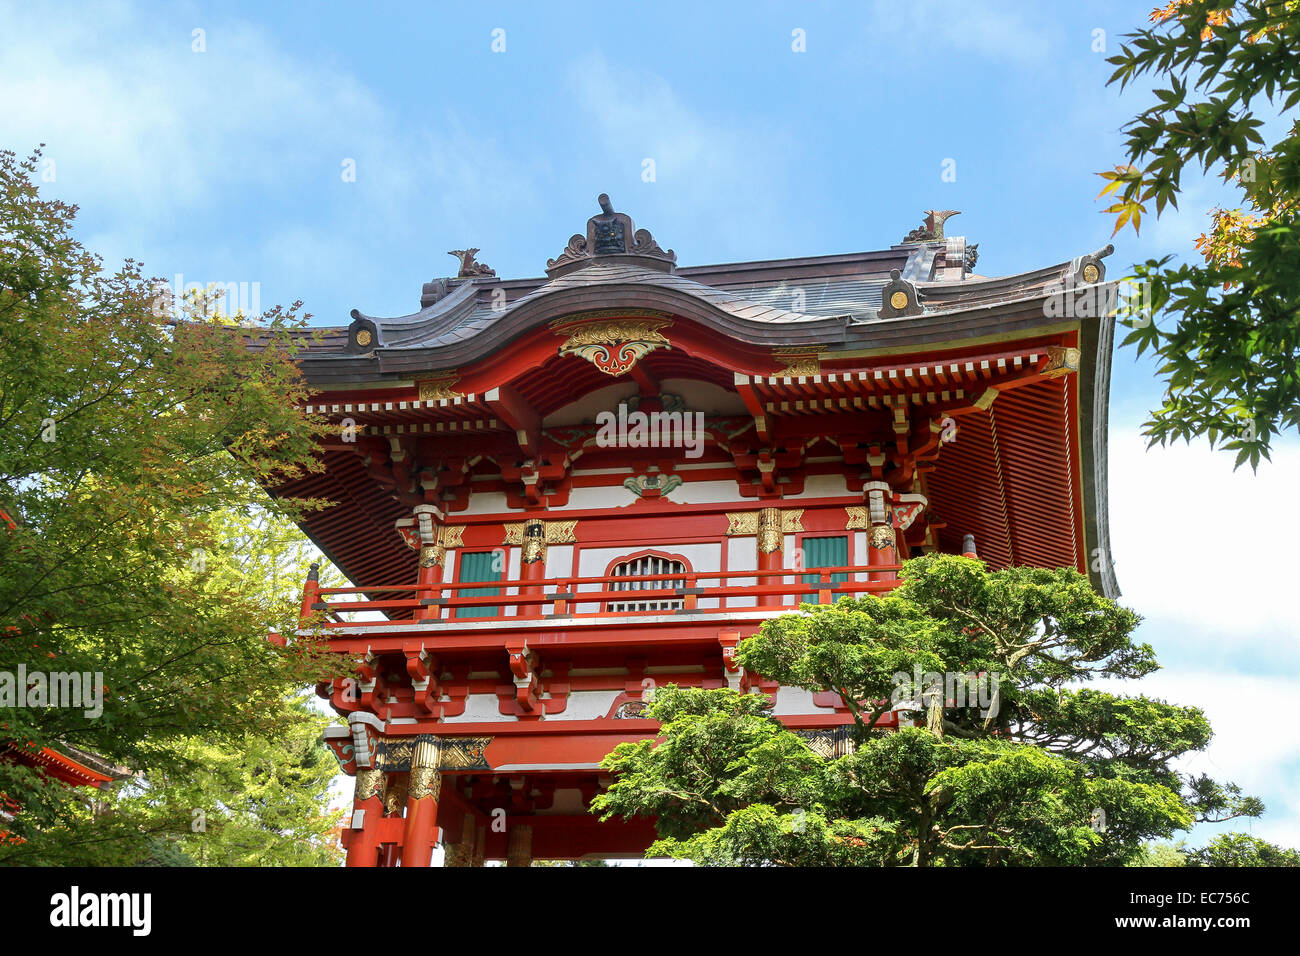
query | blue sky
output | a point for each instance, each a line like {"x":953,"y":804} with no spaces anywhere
{"x":225,"y":166}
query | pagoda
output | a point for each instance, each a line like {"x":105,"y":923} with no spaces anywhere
{"x":552,"y":495}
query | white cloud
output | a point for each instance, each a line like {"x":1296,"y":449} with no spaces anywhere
{"x":1202,"y":546}
{"x":1253,"y":746}
{"x":135,"y":117}
{"x":997,"y":30}
{"x":246,"y":140}
{"x":1207,"y":556}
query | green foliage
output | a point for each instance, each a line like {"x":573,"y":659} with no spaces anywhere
{"x":136,"y":543}
{"x":1231,"y":363}
{"x":1161,"y":854}
{"x":572,"y":863}
{"x":1048,"y":773}
{"x":1242,"y":849}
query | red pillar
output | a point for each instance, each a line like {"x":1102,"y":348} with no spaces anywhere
{"x":881,"y":549}
{"x":394,"y":804}
{"x":771,"y":538}
{"x":309,"y":590}
{"x":431,"y":559}
{"x":532,"y":565}
{"x":881,"y":542}
{"x":367,"y":811}
{"x":422,"y":803}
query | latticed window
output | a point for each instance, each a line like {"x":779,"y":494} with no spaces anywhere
{"x":643,"y":565}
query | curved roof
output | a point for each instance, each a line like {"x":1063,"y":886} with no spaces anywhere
{"x":911,"y":321}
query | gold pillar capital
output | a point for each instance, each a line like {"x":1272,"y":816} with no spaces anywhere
{"x":534,"y":541}
{"x":370,"y":783}
{"x":425,"y":779}
{"x":771,"y":534}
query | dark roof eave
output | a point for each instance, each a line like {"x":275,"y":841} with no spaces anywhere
{"x":1096,"y":339}
{"x":834,"y":334}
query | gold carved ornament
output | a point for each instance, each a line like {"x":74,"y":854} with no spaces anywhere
{"x":370,"y":783}
{"x":881,"y":536}
{"x":858,"y":517}
{"x":1061,"y":361}
{"x":801,"y":368}
{"x":425,"y":782}
{"x":426,"y":779}
{"x":770,"y":536}
{"x":449,"y":536}
{"x":554,"y":532}
{"x":769,"y":524}
{"x":534,"y":546}
{"x":395,"y":794}
{"x":614,"y":346}
{"x":438,"y":388}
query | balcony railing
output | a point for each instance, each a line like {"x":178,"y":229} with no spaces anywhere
{"x":692,"y":592}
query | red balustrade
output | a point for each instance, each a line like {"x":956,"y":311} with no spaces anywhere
{"x":574,"y":597}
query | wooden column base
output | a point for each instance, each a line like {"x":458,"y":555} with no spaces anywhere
{"x":519,"y":849}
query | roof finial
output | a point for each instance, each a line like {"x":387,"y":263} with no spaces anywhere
{"x":932,"y":229}
{"x":611,"y":233}
{"x":469,"y":268}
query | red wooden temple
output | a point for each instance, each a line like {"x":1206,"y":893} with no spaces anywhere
{"x":555,"y":494}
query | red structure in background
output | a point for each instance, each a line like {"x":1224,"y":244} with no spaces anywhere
{"x":60,"y":766}
{"x":554,"y":495}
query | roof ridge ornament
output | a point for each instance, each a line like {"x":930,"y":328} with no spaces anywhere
{"x":931,"y":229}
{"x":469,"y":267}
{"x":611,"y":236}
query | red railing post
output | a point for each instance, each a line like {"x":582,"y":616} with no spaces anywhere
{"x":532,"y":565}
{"x":309,"y":589}
{"x":771,"y":541}
{"x":430,"y":574}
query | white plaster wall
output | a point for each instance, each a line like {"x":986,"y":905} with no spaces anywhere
{"x":599,"y":497}
{"x":795,"y":700}
{"x":480,"y":707}
{"x":705,"y":492}
{"x":586,"y":408}
{"x":586,"y":705}
{"x":822,"y":486}
{"x":482,"y":503}
{"x":512,"y":570}
{"x":705,"y":397}
{"x":559,"y":561}
{"x":742,"y":555}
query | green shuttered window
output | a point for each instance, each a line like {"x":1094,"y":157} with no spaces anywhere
{"x":825,"y":553}
{"x":478,"y":566}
